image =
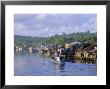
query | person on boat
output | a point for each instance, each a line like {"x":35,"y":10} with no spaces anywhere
{"x":54,"y":56}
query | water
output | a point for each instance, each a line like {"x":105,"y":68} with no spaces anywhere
{"x":39,"y":65}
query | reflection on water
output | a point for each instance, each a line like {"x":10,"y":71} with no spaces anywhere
{"x":27,"y":64}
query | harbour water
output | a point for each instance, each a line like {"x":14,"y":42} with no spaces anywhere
{"x":27,"y":64}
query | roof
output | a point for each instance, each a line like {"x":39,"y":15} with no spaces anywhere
{"x":73,"y":43}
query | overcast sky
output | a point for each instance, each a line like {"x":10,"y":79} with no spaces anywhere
{"x":43,"y":25}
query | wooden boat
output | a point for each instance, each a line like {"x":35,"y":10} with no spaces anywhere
{"x":56,"y":60}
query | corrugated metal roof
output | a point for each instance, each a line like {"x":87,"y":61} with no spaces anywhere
{"x":73,"y":43}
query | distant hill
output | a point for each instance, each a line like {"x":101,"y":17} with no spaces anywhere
{"x":57,"y":39}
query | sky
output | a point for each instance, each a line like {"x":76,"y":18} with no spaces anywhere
{"x":46,"y":25}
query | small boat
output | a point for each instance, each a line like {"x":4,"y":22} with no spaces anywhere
{"x":56,"y":60}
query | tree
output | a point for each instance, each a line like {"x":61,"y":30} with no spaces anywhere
{"x":87,"y":31}
{"x":63,"y":33}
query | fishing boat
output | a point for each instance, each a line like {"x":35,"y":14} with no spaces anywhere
{"x":58,"y":60}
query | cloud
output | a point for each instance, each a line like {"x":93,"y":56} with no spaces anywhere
{"x":38,"y":26}
{"x":51,"y":24}
{"x":90,"y":25}
{"x":23,"y":17}
{"x":40,"y":16}
{"x":19,"y":26}
{"x":20,"y":29}
{"x":46,"y":30}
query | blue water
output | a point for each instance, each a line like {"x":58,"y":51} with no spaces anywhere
{"x":40,"y":65}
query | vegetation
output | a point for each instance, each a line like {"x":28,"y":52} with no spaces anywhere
{"x":57,"y":39}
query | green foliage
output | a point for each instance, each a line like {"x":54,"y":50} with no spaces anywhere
{"x":57,"y":39}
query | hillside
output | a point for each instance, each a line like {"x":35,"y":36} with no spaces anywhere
{"x":56,"y":39}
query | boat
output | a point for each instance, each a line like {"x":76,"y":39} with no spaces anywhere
{"x":56,"y":60}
